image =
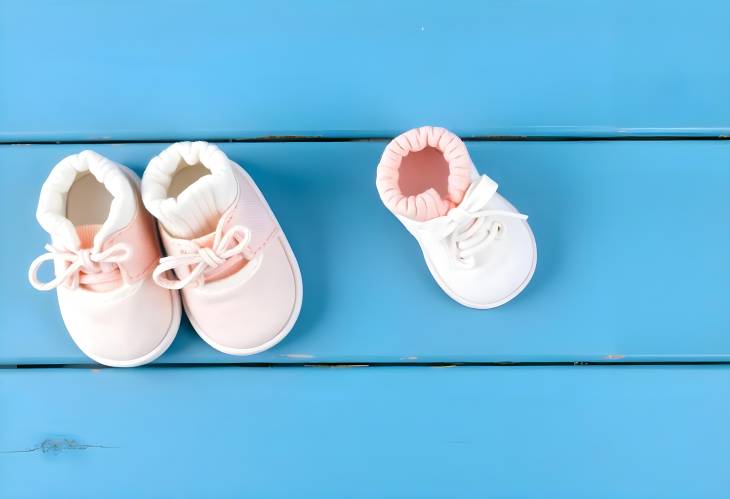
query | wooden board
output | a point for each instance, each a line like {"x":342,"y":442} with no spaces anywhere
{"x":633,"y":243}
{"x":571,"y":432}
{"x":86,"y":70}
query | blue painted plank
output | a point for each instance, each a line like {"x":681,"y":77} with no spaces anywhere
{"x":83,"y":70}
{"x":633,"y":239}
{"x":571,"y":432}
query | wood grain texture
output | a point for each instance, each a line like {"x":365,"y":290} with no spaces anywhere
{"x":632,"y":239}
{"x":85,"y":70}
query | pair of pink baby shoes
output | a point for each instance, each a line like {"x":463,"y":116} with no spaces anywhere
{"x":239,"y":280}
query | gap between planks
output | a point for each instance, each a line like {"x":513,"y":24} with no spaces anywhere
{"x":319,"y":139}
{"x":341,"y":365}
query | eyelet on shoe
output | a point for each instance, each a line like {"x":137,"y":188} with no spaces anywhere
{"x":499,"y":229}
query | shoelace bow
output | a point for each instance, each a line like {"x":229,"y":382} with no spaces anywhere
{"x":469,"y":231}
{"x":85,"y":266}
{"x":226,"y":246}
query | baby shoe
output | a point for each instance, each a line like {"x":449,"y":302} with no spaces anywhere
{"x":478,"y":247}
{"x":104,"y":248}
{"x":240,"y":282}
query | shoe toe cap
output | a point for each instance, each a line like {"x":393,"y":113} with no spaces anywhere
{"x":130,"y":329}
{"x":255,"y":315}
{"x":501,"y":273}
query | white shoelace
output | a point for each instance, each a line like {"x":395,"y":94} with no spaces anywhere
{"x":103,"y":263}
{"x":469,"y":229}
{"x":204,"y":259}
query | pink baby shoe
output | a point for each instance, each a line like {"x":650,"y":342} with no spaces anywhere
{"x":240,"y":282}
{"x":478,"y":247}
{"x":104,"y":248}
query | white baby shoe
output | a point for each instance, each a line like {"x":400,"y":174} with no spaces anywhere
{"x":104,"y":247}
{"x":240,"y":282}
{"x":478,"y":247}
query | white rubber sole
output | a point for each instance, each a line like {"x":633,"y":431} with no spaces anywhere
{"x":298,"y":293}
{"x":158,"y":350}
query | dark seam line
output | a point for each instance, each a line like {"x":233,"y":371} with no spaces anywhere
{"x":284,"y":139}
{"x":374,"y":364}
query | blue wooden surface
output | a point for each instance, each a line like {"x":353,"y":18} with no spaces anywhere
{"x":633,"y":242}
{"x":502,"y":432}
{"x":82,"y":70}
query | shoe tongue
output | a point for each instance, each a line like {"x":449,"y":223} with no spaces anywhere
{"x":205,"y":241}
{"x":67,"y":236}
{"x":95,"y":282}
{"x":86,"y":235}
{"x":227,"y":268}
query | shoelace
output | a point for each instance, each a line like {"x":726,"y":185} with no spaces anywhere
{"x":469,"y":231}
{"x":204,"y":259}
{"x":84,"y":266}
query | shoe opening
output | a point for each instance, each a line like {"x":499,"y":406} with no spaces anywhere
{"x":423,"y":173}
{"x":85,"y":189}
{"x":188,"y":187}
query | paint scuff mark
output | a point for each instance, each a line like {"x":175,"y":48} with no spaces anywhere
{"x":56,"y":446}
{"x":614,"y":356}
{"x":298,"y":356}
{"x":412,"y":357}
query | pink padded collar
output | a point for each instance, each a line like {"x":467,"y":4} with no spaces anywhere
{"x":428,"y":204}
